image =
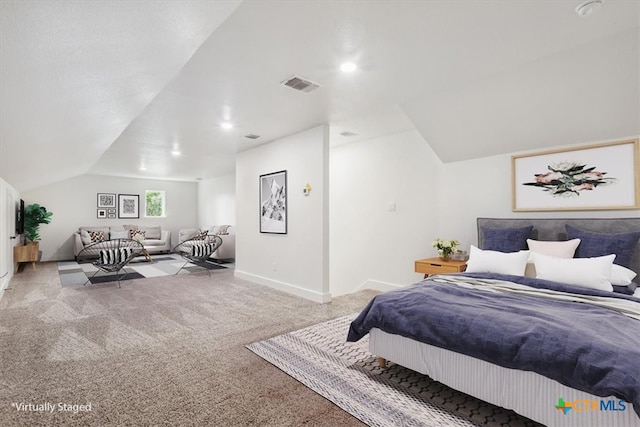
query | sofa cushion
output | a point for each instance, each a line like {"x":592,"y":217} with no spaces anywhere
{"x":119,"y":234}
{"x":152,"y":232}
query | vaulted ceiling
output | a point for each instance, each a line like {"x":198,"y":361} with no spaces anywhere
{"x":107,"y":87}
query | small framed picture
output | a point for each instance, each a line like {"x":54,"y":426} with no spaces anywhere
{"x":102,"y":213}
{"x":111,"y":215}
{"x":106,"y":200}
{"x":128,"y":206}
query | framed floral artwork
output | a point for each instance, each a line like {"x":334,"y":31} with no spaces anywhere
{"x":596,"y":177}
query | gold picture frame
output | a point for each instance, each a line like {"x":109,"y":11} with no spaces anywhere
{"x":603,"y":176}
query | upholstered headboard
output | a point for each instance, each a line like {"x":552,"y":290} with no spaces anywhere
{"x":554,"y":228}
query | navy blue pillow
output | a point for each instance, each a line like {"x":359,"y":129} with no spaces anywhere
{"x":505,"y":239}
{"x":627,"y":290}
{"x":596,"y":244}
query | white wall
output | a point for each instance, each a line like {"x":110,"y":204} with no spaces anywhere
{"x":9,"y":196}
{"x":482,"y":188}
{"x":73,"y":203}
{"x":374,"y":248}
{"x":217,"y":201}
{"x":371,"y":246}
{"x":296,"y":262}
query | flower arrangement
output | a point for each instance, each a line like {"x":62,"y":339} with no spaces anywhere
{"x":445,"y":247}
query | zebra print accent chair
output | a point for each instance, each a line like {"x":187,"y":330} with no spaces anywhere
{"x":198,"y":250}
{"x":110,"y":256}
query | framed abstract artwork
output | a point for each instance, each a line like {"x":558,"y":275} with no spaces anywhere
{"x":596,"y":177}
{"x":273,"y":203}
{"x":128,"y":206}
{"x":106,"y":200}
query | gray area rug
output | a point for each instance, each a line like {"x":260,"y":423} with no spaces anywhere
{"x":347,"y":374}
{"x":74,"y":273}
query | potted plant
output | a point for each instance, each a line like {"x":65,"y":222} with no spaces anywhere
{"x":34,"y":215}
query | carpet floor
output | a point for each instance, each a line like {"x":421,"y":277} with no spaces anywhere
{"x":74,"y":273}
{"x":348,"y":375}
{"x":163,"y":351}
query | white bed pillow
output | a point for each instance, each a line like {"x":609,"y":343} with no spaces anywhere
{"x":593,"y":273}
{"x":561,"y":249}
{"x":481,"y":261}
{"x":621,"y":276}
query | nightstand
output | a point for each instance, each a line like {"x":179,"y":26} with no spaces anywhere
{"x":437,"y":266}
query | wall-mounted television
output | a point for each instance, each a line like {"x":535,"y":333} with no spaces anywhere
{"x":20,"y":217}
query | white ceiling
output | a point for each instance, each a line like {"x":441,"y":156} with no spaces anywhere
{"x":102,"y":87}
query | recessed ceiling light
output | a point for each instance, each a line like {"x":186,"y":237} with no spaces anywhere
{"x":348,"y":67}
{"x":175,"y":153}
{"x":226,"y":125}
{"x":143,"y":168}
{"x":588,"y":7}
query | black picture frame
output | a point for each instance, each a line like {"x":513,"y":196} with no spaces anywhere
{"x":128,"y":206}
{"x":273,"y":202}
{"x":106,"y":200}
{"x":102,"y":213}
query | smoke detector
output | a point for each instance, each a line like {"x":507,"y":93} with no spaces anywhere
{"x":300,"y":84}
{"x":588,"y":7}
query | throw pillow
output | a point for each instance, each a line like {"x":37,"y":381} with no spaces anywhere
{"x":138,"y":235}
{"x":483,"y":261}
{"x":96,"y":236}
{"x":564,"y":249}
{"x":593,"y":273}
{"x":85,"y":237}
{"x":621,"y":276}
{"x":505,"y":239}
{"x":622,"y":245}
{"x":201,"y":234}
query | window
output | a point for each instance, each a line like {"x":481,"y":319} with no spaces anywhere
{"x":154,"y":203}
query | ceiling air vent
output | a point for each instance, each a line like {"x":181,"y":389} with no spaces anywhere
{"x":298,"y":83}
{"x":348,"y":134}
{"x":252,"y":136}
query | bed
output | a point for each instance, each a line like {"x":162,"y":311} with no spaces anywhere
{"x":557,"y":353}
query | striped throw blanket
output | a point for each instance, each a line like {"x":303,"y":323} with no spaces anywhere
{"x":114,"y":256}
{"x":202,"y":249}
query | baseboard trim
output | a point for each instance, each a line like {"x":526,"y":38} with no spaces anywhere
{"x":377,"y":285}
{"x":285,"y":287}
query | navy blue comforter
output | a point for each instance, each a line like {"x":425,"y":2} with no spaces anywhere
{"x":589,"y":348}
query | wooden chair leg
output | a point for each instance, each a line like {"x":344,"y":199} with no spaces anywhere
{"x":382,"y":362}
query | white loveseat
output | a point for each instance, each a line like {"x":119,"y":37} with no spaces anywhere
{"x":226,"y":252}
{"x":155,"y":239}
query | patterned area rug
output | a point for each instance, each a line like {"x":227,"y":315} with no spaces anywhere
{"x":348,"y":375}
{"x":76,"y":273}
